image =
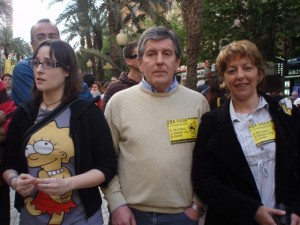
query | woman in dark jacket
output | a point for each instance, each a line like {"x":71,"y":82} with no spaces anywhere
{"x":246,"y":161}
{"x":59,"y":147}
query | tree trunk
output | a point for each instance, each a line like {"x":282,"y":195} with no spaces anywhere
{"x":192,"y":16}
{"x":113,"y":29}
{"x":97,"y":30}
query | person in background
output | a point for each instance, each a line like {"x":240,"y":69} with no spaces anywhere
{"x":202,"y":85}
{"x":89,"y":79}
{"x":54,"y":158}
{"x":125,"y":80}
{"x":7,"y":78}
{"x":216,"y":95}
{"x":297,"y":102}
{"x":97,"y":86}
{"x":23,"y":78}
{"x":7,"y":108}
{"x":113,"y":78}
{"x":294,"y":96}
{"x":280,"y":94}
{"x":246,"y":157}
{"x":277,"y":95}
{"x":154,"y":125}
{"x":96,"y":91}
{"x":105,"y":85}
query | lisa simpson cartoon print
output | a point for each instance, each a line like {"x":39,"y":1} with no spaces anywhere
{"x":49,"y":152}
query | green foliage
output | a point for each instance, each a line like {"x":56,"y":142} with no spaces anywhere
{"x":176,"y":24}
{"x":6,"y":37}
{"x":271,"y":24}
{"x":20,"y":48}
{"x":266,"y":23}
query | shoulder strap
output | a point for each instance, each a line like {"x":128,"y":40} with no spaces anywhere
{"x":43,"y":122}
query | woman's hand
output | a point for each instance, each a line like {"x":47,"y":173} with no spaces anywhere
{"x":295,"y":220}
{"x":24,"y":184}
{"x":264,"y":215}
{"x":54,"y":186}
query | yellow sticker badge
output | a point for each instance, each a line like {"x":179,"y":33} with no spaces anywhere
{"x":262,"y":132}
{"x":183,"y":130}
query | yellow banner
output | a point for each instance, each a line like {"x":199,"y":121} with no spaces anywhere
{"x":8,"y":66}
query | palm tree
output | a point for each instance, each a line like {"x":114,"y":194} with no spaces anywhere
{"x":5,"y":11}
{"x":192,"y":16}
{"x":20,"y":48}
{"x":85,"y":19}
{"x":113,"y":8}
{"x":6,"y":37}
{"x":91,"y":19}
{"x":134,"y":13}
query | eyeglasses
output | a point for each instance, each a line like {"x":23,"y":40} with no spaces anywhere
{"x":132,"y":56}
{"x":47,"y":64}
{"x":42,"y":36}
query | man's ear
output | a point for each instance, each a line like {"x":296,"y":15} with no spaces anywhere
{"x":139,"y":61}
{"x":178,"y":62}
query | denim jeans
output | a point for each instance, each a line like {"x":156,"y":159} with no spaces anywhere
{"x":151,"y":218}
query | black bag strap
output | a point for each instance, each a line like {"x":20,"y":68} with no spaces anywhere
{"x":47,"y":119}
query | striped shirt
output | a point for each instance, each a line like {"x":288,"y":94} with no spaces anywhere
{"x":260,"y":156}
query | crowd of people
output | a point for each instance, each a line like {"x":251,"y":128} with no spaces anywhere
{"x":161,"y":153}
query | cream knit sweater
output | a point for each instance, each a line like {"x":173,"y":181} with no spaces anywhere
{"x":154,"y":136}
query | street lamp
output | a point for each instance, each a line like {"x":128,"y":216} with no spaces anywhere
{"x":107,"y":66}
{"x":122,"y":40}
{"x":89,"y":64}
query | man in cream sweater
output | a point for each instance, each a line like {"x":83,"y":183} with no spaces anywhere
{"x":154,"y":126}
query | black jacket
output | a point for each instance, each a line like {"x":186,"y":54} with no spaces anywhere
{"x":92,"y":142}
{"x":221,"y":175}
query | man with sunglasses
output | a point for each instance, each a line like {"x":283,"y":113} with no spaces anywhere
{"x":125,"y":80}
{"x":22,"y":80}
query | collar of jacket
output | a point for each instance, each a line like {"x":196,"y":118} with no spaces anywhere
{"x":31,"y":107}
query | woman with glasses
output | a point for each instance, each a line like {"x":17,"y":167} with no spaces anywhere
{"x":246,"y":158}
{"x":59,"y":147}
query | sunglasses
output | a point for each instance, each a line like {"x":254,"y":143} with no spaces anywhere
{"x":132,"y":56}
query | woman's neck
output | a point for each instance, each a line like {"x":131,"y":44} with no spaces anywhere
{"x":245,"y":106}
{"x":51,"y":101}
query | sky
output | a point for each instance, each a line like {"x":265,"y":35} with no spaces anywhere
{"x":27,"y":12}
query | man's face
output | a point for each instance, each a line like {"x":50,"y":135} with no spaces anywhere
{"x":42,"y":31}
{"x":295,"y":95}
{"x":132,"y":61}
{"x":159,"y":63}
{"x":113,"y":79}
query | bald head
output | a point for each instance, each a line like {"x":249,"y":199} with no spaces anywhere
{"x":43,"y":29}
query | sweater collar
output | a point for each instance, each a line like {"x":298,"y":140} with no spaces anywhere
{"x":149,"y":87}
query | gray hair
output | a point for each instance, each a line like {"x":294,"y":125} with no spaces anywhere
{"x":158,"y":33}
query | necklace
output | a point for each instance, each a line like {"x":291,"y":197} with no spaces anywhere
{"x":47,"y":105}
{"x":54,"y":172}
